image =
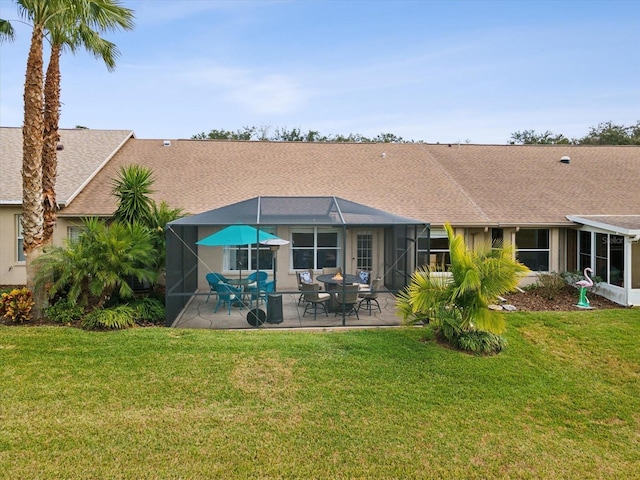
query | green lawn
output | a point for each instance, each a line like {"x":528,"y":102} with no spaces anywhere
{"x":563,"y":401}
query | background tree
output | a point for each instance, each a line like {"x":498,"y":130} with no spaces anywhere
{"x":530,"y":137}
{"x":245,"y":133}
{"x":458,"y":304}
{"x":294,"y":135}
{"x":608,"y":133}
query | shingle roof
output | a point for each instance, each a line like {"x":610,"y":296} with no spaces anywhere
{"x":85,"y":151}
{"x":462,"y":184}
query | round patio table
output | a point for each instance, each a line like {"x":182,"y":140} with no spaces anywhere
{"x":331,"y":283}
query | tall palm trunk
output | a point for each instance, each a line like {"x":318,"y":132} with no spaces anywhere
{"x":32,"y":221}
{"x":51,"y":138}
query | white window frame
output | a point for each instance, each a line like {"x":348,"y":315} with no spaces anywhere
{"x":315,"y":248}
{"x":20,"y":255}
{"x":364,"y":250}
{"x":227,"y":264}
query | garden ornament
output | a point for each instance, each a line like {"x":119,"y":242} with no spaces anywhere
{"x":583,"y":301}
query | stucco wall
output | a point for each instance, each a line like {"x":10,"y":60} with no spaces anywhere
{"x":211,"y":258}
{"x":12,"y":272}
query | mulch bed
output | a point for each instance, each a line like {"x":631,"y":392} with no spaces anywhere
{"x":527,"y":301}
{"x":564,"y":300}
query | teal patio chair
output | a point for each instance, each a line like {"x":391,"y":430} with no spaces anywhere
{"x":258,"y":287}
{"x":228,"y":294}
{"x":213,"y":279}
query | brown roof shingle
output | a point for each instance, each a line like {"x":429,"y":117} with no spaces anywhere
{"x":85,"y":151}
{"x":462,"y":184}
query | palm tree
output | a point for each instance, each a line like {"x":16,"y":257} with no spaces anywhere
{"x":6,"y":30}
{"x":73,"y":29}
{"x":458,"y":301}
{"x":38,"y":12}
{"x":46,"y":16}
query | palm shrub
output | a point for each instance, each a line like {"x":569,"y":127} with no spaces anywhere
{"x":132,"y":188}
{"x":113,"y":318}
{"x":148,"y":309}
{"x":457,"y":302}
{"x":99,"y":263}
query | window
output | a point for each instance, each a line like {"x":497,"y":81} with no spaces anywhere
{"x":610,"y":258}
{"x":584,"y":250}
{"x":608,"y":253}
{"x":365,"y":251}
{"x":20,"y":256}
{"x":243,"y":257}
{"x":73,"y":233}
{"x":497,"y":237}
{"x":315,"y":248}
{"x":533,"y":248}
{"x":601,"y":251}
{"x":616,"y":260}
{"x":435,"y":251}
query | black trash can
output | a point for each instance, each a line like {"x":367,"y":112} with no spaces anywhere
{"x":274,"y":309}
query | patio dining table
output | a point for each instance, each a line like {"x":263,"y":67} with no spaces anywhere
{"x":331,"y":283}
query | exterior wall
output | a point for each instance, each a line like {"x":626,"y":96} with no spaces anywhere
{"x":211,"y":258}
{"x":12,"y":272}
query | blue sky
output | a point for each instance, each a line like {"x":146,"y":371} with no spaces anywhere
{"x":437,"y":71}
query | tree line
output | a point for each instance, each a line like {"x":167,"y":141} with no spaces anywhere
{"x":294,"y":135}
{"x":606,"y":133}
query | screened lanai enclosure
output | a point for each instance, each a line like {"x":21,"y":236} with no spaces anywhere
{"x":328,"y":240}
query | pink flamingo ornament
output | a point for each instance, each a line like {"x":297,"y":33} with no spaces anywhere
{"x":587,"y":282}
{"x":583,"y":302}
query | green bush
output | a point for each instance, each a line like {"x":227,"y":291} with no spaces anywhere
{"x":550,"y":285}
{"x":114,"y":318}
{"x":16,"y":305}
{"x":64,"y":312}
{"x":572,"y":277}
{"x":148,"y":309}
{"x":478,"y":342}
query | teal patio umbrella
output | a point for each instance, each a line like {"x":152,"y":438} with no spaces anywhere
{"x":234,"y":235}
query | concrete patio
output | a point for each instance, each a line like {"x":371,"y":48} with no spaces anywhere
{"x":198,"y":313}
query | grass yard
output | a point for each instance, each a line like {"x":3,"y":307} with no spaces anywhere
{"x":563,"y":401}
